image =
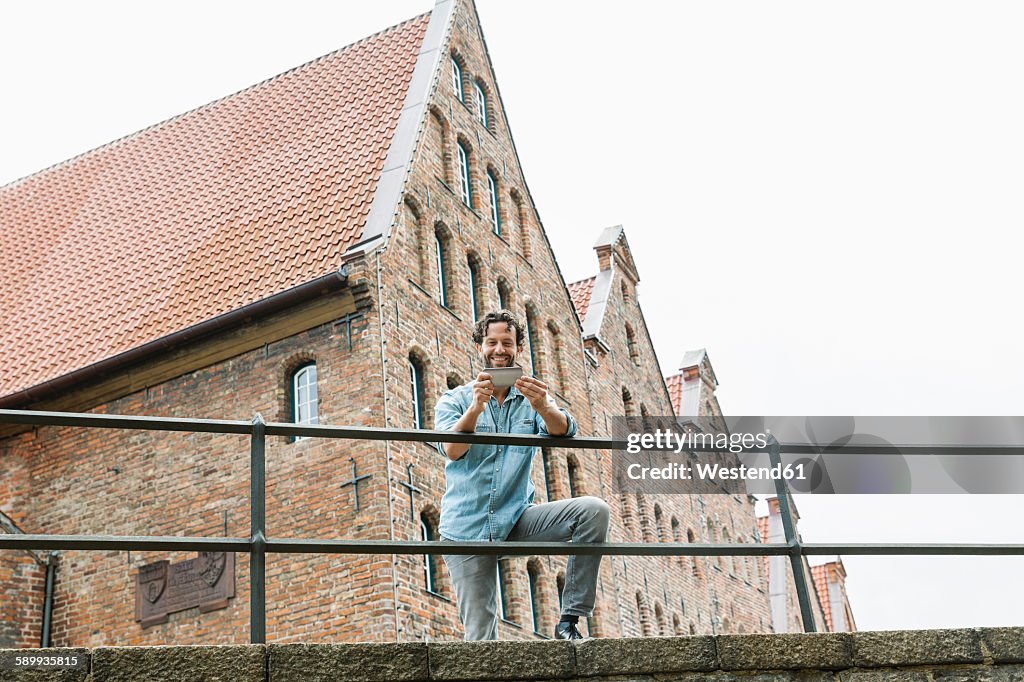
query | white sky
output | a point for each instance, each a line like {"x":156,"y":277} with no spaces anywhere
{"x":826,"y":196}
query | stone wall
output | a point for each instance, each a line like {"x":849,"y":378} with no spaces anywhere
{"x":994,"y":654}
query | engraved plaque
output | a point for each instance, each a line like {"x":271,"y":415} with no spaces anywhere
{"x":162,"y":588}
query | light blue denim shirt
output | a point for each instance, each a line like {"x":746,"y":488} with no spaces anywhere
{"x":489,"y":487}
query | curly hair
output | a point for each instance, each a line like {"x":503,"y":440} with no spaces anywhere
{"x":505,"y":316}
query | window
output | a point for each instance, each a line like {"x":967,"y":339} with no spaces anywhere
{"x":457,"y":81}
{"x":575,"y":484}
{"x":465,"y":185}
{"x":503,"y":603}
{"x":634,"y":349}
{"x":304,"y":396}
{"x":481,"y":103}
{"x":504,"y":294}
{"x":492,"y":192}
{"x":416,"y":382}
{"x":474,"y":283}
{"x":429,"y":567}
{"x":442,"y":284}
{"x":531,"y":337}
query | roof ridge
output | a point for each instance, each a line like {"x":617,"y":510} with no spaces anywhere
{"x":123,"y":138}
{"x":580,"y":281}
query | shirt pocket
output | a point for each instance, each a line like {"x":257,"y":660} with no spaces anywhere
{"x":484,"y":425}
{"x":524,"y":426}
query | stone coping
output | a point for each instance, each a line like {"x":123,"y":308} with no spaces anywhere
{"x":978,"y":653}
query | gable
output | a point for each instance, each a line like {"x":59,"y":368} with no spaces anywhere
{"x":230,"y":204}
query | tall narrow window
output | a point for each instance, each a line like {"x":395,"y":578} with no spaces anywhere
{"x":556,"y":342}
{"x":503,"y":608}
{"x":442,"y":284}
{"x":504,"y":294}
{"x":492,"y":192}
{"x":474,"y":282}
{"x":481,"y":103}
{"x":535,"y":606}
{"x":304,"y":396}
{"x":465,"y":186}
{"x":457,"y":81}
{"x":416,"y":384}
{"x":429,"y":560}
{"x":634,"y":349}
{"x":531,"y":336}
{"x":575,"y":484}
{"x":549,"y":475}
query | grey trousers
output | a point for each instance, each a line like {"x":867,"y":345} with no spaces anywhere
{"x":474,"y":577}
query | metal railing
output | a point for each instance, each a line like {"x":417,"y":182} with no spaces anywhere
{"x":257,"y":545}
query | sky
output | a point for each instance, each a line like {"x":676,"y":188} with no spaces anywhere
{"x":826,"y":196}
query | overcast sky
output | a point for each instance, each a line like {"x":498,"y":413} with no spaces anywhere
{"x":826,"y":196}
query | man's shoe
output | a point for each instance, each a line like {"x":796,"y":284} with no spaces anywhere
{"x":567,"y":631}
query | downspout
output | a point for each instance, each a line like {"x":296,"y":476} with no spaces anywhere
{"x":387,"y":444}
{"x":51,"y":574}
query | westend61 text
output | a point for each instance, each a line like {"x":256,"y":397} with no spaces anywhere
{"x":677,"y":442}
{"x":716,"y":472}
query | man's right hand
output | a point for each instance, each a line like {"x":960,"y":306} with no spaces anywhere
{"x":483,"y":389}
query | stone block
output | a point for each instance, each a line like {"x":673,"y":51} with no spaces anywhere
{"x":554,"y":659}
{"x":915,"y":647}
{"x":241,"y":663}
{"x":645,"y":655}
{"x":355,"y":662}
{"x":828,"y":651}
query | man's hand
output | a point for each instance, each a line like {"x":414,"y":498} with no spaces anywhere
{"x":483,"y":389}
{"x":534,"y":390}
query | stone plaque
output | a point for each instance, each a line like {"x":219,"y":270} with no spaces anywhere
{"x":162,"y":588}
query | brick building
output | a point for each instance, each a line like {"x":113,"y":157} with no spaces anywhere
{"x":315,"y":248}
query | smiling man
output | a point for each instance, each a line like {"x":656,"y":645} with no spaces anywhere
{"x":489,"y":494}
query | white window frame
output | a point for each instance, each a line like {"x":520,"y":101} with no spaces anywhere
{"x":442,"y":290}
{"x":457,"y":85}
{"x":492,"y":192}
{"x":481,"y":104}
{"x":305,"y":396}
{"x":464,"y":181}
{"x":417,"y":417}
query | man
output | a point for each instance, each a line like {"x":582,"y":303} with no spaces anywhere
{"x":489,"y":495}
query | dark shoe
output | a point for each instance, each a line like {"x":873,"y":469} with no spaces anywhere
{"x":567,"y":631}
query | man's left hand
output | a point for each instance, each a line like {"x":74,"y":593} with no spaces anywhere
{"x":535,"y":391}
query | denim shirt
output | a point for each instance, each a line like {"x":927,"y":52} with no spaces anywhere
{"x":489,"y":487}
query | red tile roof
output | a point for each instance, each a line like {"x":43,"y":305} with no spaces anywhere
{"x":200,"y":215}
{"x":580,"y":292}
{"x":674,"y":384}
{"x":820,"y":576}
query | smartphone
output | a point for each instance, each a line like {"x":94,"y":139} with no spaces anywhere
{"x":503,"y":377}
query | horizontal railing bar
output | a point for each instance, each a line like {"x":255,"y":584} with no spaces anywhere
{"x":108,"y":421}
{"x":302,"y":546}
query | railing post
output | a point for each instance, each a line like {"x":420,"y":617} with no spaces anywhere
{"x":803,"y":595}
{"x":258,"y":524}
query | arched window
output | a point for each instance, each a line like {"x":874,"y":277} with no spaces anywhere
{"x":659,"y":616}
{"x":677,"y":625}
{"x":492,"y":194}
{"x":504,"y":294}
{"x":628,"y":406}
{"x":550,"y":479}
{"x":504,"y":601}
{"x":536,"y":606}
{"x":677,"y":537}
{"x":465,"y":178}
{"x":646,"y":533}
{"x":575,"y":480}
{"x":457,"y":86}
{"x":305,"y":396}
{"x":644,"y":612}
{"x":634,"y":349}
{"x":532,"y":337}
{"x":438,"y":137}
{"x":627,"y":297}
{"x":628,"y":514}
{"x":691,"y":537}
{"x":430,"y":572}
{"x":453,"y":381}
{"x":442,"y":279}
{"x":556,"y":339}
{"x":518,"y":215}
{"x":474,"y":287}
{"x":481,"y":103}
{"x":418,"y":395}
{"x":659,"y":523}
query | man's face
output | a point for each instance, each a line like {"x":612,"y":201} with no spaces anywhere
{"x":499,"y":345}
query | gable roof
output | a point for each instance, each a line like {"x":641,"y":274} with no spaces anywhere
{"x":227,"y":205}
